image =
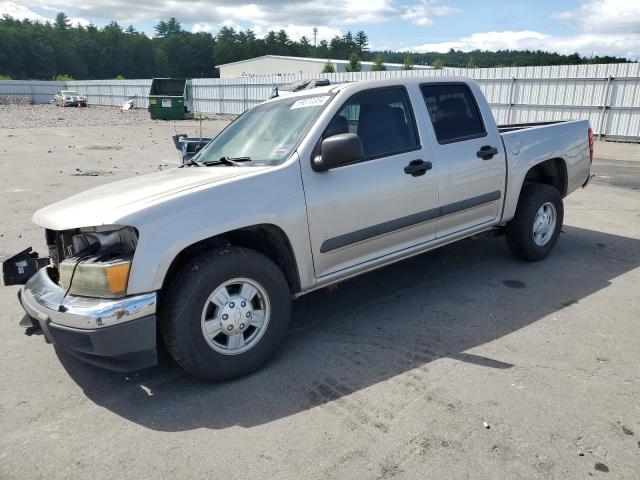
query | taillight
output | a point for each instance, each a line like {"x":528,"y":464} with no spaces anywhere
{"x":590,"y":145}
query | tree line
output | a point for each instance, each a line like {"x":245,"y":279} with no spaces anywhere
{"x":33,"y":50}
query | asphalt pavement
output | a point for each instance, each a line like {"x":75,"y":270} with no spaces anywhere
{"x":460,"y":363}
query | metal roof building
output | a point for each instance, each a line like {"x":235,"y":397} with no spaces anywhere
{"x":282,"y":65}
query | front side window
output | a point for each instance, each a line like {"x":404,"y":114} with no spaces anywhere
{"x":381,"y":118}
{"x":266,"y":134}
{"x":453,"y":111}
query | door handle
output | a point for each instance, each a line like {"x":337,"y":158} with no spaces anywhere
{"x":487,"y":152}
{"x":417,"y":168}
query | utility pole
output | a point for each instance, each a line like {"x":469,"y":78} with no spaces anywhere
{"x":315,"y":35}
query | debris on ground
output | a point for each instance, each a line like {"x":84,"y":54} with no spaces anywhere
{"x":24,"y":115}
{"x":34,"y":116}
{"x":14,"y":100}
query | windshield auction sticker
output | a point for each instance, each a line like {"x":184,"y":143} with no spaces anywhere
{"x":310,"y":102}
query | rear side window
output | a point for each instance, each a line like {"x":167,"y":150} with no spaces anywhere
{"x":381,"y":118}
{"x":454,"y":112}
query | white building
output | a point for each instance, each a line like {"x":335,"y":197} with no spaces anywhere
{"x":281,"y":65}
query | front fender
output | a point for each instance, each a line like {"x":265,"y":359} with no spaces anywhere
{"x":273,"y":196}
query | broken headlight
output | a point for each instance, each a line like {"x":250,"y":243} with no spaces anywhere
{"x":96,"y":262}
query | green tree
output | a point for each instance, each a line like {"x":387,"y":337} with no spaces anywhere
{"x":33,"y":50}
{"x":328,"y":67}
{"x":438,"y":63}
{"x":378,"y":64}
{"x":471,"y":63}
{"x":62,"y":22}
{"x":354,"y":64}
{"x":304,"y":47}
{"x":225,"y":47}
{"x":348,"y":42}
{"x":283,"y":43}
{"x":174,"y":27}
{"x":408,"y":63}
{"x":322,"y":50}
{"x":167,"y":28}
{"x":362,"y":41}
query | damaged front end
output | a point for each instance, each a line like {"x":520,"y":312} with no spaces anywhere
{"x":92,"y":262}
{"x":78,"y":297}
{"x":18,"y":269}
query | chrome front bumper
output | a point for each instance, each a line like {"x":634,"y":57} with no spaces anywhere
{"x":117,"y":334}
{"x":44,"y":300}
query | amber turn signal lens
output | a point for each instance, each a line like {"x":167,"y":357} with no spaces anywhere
{"x":117,"y":277}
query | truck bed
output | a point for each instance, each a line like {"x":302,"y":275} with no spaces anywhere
{"x":528,"y":144}
{"x":510,"y":127}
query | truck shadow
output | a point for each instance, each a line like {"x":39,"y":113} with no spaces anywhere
{"x":372,"y":329}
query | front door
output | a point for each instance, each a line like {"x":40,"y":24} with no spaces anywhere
{"x":363,"y":211}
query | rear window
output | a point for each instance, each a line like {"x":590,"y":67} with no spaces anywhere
{"x":454,"y":112}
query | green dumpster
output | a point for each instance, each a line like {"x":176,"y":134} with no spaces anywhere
{"x":171,"y":99}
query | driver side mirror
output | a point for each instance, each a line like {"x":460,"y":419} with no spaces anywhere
{"x":337,"y":151}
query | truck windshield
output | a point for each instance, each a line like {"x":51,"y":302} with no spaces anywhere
{"x":266,"y":134}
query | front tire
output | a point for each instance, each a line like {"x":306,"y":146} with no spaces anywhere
{"x":534,"y":230}
{"x":225,"y":313}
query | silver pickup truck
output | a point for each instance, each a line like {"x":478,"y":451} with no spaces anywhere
{"x":298,"y":193}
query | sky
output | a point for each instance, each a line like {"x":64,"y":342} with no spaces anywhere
{"x":598,"y":27}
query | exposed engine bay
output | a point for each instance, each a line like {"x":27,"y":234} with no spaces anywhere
{"x":92,"y":261}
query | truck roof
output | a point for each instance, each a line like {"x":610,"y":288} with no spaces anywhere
{"x":387,"y":82}
{"x":382,"y":82}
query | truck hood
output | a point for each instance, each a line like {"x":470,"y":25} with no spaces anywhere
{"x":106,"y":204}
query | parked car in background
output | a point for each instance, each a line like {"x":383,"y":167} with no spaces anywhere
{"x":300,"y":192}
{"x":69,"y":98}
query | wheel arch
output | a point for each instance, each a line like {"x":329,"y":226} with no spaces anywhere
{"x":552,"y":172}
{"x":266,"y":238}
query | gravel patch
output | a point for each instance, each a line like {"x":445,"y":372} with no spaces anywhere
{"x":14,"y":100}
{"x":34,"y":116}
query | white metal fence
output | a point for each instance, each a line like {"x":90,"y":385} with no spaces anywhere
{"x":608,"y":95}
{"x":39,"y":91}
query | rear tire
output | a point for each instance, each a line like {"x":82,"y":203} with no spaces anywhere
{"x":211,"y":287}
{"x":534,"y":230}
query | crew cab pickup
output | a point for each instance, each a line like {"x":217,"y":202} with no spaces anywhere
{"x":298,"y":193}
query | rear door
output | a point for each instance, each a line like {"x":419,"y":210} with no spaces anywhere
{"x":470,"y":157}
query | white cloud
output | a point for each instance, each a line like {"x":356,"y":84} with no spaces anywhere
{"x":609,"y":27}
{"x":296,"y":32}
{"x":20,"y":12}
{"x":79,"y":22}
{"x":585,"y":44}
{"x":328,"y":13}
{"x":202,"y":27}
{"x":213,"y":12}
{"x":421,"y":13}
{"x":604,"y":16}
{"x":486,"y":41}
